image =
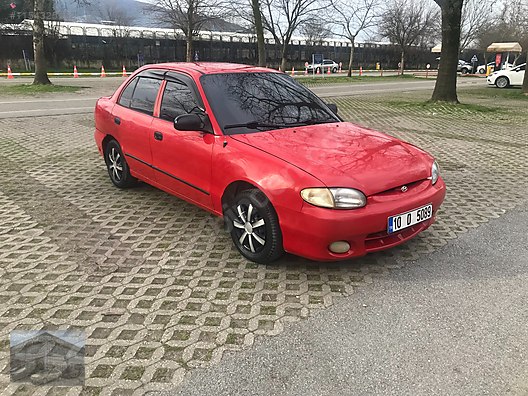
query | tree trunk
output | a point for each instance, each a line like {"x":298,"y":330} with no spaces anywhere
{"x":284,"y":53}
{"x":351,"y":58}
{"x":259,"y":29}
{"x":41,"y":74}
{"x":445,"y":87}
{"x":402,"y":62}
{"x":189,"y":33}
{"x":189,"y":50}
{"x":525,"y":81}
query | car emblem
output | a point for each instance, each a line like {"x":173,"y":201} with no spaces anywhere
{"x":404,"y":189}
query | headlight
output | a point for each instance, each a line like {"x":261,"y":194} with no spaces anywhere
{"x":339,"y":198}
{"x":435,"y":172}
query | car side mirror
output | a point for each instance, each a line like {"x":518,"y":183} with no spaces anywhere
{"x":332,"y":107}
{"x":189,"y":122}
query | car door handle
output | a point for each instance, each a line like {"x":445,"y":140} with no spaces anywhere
{"x":117,"y":120}
{"x":158,"y":136}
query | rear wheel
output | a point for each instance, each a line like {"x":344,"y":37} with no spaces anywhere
{"x":502,"y":82}
{"x":117,"y":166}
{"x":255,"y":228}
{"x":334,"y":70}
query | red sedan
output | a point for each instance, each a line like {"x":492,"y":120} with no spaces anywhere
{"x":283,"y":169}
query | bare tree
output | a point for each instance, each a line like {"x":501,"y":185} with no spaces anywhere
{"x":315,"y":31}
{"x":406,"y":23}
{"x":259,"y":31}
{"x":189,"y":16}
{"x":351,"y":18}
{"x":282,"y":18}
{"x":475,"y":16}
{"x":250,"y":14}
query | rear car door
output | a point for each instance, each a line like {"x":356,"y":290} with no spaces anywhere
{"x":182,"y":159}
{"x":133,"y":118}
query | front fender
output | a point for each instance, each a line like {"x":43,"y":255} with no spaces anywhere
{"x":278,"y":180}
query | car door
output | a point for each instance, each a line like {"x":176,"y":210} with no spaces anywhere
{"x":181,"y":159}
{"x":133,"y":118}
{"x":517,"y":75}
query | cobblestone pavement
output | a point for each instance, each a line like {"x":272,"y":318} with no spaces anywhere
{"x":155,"y":282}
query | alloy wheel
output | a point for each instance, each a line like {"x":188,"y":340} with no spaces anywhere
{"x":502,"y":82}
{"x":115,"y":164}
{"x":250,"y":228}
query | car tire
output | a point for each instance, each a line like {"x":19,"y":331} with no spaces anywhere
{"x":482,"y":71}
{"x":257,"y":237}
{"x":502,"y":82}
{"x":464,"y":70}
{"x":117,"y":166}
{"x":334,"y":70}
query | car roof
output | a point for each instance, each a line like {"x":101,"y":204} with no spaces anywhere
{"x":200,"y":68}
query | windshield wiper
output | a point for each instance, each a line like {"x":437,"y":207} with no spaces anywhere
{"x":257,"y":125}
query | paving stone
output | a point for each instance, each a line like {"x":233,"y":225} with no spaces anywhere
{"x":156,"y":283}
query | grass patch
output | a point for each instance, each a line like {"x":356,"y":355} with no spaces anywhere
{"x":443,"y":108}
{"x":29,"y":89}
{"x":354,"y":79}
{"x":494,"y":93}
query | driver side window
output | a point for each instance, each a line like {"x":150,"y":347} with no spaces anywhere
{"x":177,"y":100}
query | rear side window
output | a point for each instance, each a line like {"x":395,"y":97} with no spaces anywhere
{"x":145,"y":94}
{"x":126,"y":96}
{"x":177,"y":100}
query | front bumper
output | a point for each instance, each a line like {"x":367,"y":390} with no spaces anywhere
{"x":310,"y":232}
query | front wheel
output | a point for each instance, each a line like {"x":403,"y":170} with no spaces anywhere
{"x":502,"y":82}
{"x":255,"y":228}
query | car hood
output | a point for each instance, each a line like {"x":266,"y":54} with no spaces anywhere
{"x":345,"y":155}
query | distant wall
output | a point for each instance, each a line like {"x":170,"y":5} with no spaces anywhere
{"x":90,"y":51}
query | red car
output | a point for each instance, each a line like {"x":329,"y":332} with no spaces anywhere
{"x":283,"y":169}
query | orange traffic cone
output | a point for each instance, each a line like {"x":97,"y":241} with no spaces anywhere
{"x":328,"y":72}
{"x":360,"y":70}
{"x":293,"y":71}
{"x":306,"y":71}
{"x":317,"y":71}
{"x":103,"y":73}
{"x":9,"y":73}
{"x":124,"y":71}
{"x":279,"y":69}
{"x":75,"y":73}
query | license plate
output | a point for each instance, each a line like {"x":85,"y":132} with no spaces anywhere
{"x":408,"y":219}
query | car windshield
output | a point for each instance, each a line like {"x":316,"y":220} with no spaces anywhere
{"x":256,"y":102}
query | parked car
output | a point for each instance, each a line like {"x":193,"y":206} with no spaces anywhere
{"x":508,"y":77}
{"x":483,"y":68}
{"x":464,"y":67}
{"x":283,"y":169}
{"x":323,"y":67}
